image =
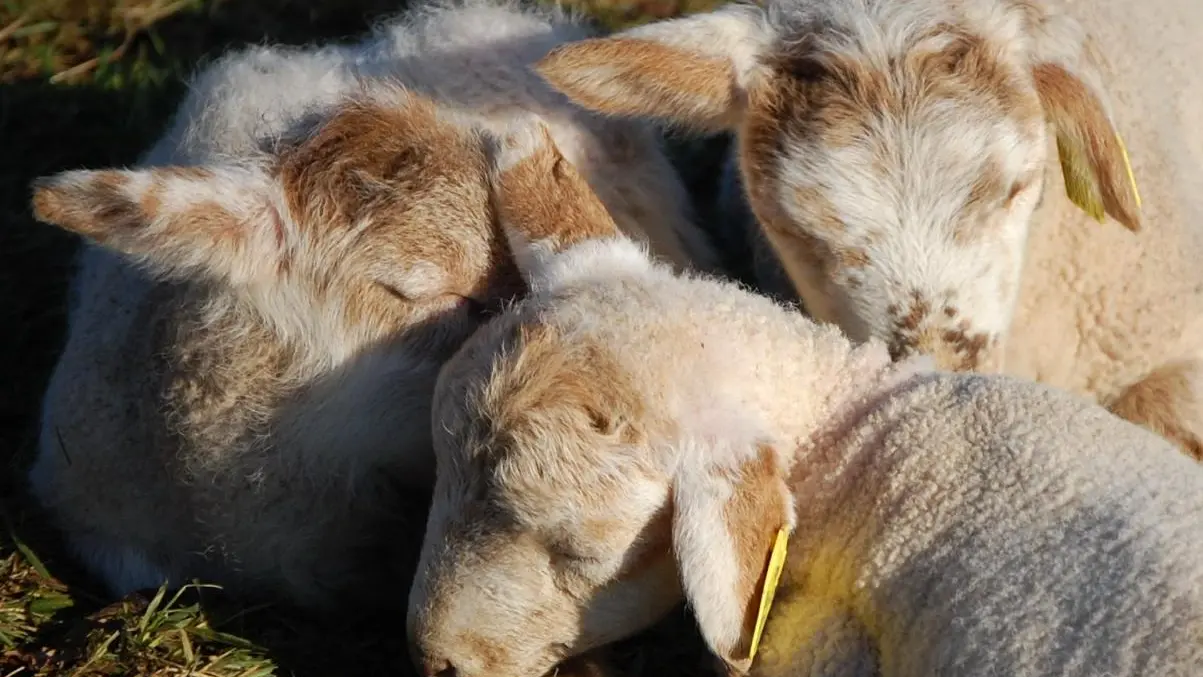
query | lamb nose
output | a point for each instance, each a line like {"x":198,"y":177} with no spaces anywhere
{"x":438,"y":668}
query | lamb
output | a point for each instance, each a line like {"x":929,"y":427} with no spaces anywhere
{"x":263,"y":305}
{"x":917,"y":168}
{"x":625,"y":437}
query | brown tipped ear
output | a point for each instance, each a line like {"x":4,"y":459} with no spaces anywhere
{"x":218,"y":222}
{"x":725,"y":525}
{"x":90,"y":203}
{"x":541,"y":195}
{"x":543,"y":203}
{"x":1094,"y":161}
{"x":692,"y":70}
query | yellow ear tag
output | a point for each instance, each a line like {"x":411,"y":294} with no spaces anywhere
{"x":1128,"y":166}
{"x":1080,"y":183}
{"x":771,"y":577}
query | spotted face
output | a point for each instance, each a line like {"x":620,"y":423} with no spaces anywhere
{"x":898,"y":188}
{"x":373,"y":222}
{"x":893,"y":153}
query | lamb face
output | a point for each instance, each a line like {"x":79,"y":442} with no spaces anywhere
{"x":898,"y":188}
{"x":509,"y":587}
{"x":893,"y":153}
{"x":531,"y":414}
{"x":373,"y":222}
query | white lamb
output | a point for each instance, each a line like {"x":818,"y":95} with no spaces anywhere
{"x":255,"y":336}
{"x":627,"y":436}
{"x":915,"y":165}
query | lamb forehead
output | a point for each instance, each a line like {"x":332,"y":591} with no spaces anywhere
{"x":939,"y":113}
{"x":907,"y":171}
{"x":547,"y":381}
{"x":377,"y":135}
{"x":883,"y":55}
{"x":888,"y":24}
{"x":391,"y":164}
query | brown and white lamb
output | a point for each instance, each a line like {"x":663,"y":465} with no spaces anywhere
{"x":912,"y":166}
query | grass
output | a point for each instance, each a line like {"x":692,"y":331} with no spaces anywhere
{"x":90,"y":83}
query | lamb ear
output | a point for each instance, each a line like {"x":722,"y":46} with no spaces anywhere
{"x":220,"y":222}
{"x":691,"y":70}
{"x":544,"y":205}
{"x":726,"y":528}
{"x":1095,"y":164}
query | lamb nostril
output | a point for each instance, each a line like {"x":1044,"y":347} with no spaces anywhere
{"x":437,"y":668}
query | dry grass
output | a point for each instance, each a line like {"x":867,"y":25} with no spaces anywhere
{"x":89,"y":83}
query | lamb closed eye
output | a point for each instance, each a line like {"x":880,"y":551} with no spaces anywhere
{"x":1021,"y":186}
{"x":1014,"y":192}
{"x":473,"y":306}
{"x":397,"y":293}
{"x":568,"y":554}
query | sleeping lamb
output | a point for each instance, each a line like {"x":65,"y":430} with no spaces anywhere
{"x":915,"y":167}
{"x":259,"y":319}
{"x":627,"y":436}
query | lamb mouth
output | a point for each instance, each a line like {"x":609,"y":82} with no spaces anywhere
{"x":582,"y":665}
